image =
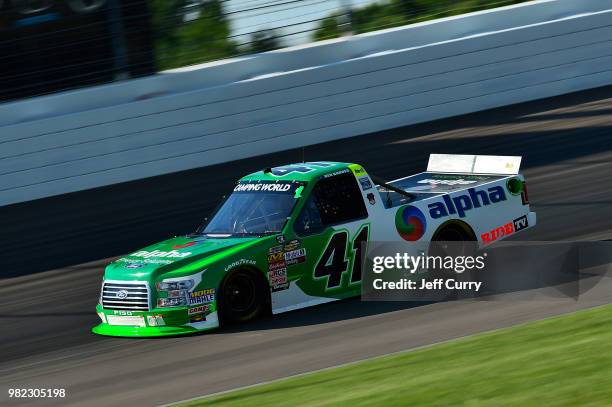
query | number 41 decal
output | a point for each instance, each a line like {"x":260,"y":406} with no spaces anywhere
{"x":333,"y":262}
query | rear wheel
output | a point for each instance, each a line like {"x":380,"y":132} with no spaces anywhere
{"x":242,"y":297}
{"x":453,"y":233}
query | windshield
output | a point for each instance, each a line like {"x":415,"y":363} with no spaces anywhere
{"x":255,"y":208}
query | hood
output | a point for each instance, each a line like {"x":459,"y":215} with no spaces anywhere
{"x":170,"y":255}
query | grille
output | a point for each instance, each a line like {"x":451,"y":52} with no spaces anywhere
{"x":125,"y":295}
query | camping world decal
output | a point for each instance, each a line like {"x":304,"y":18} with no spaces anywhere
{"x":410,"y":223}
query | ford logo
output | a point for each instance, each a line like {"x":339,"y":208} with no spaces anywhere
{"x":121,"y":294}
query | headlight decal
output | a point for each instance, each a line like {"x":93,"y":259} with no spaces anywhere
{"x":178,"y":291}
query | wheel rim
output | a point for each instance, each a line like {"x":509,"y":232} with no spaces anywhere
{"x":240,"y":293}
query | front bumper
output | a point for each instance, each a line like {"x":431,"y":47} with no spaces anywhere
{"x":161,"y":322}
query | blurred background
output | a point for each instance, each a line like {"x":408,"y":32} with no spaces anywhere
{"x":52,"y":45}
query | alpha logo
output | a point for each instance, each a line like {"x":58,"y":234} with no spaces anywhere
{"x":462,"y":203}
{"x":410,"y":223}
{"x":159,"y":253}
{"x":520,"y":223}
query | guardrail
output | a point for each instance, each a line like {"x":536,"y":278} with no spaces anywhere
{"x":284,"y":99}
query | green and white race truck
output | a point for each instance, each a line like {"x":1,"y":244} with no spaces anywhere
{"x":290,"y":237}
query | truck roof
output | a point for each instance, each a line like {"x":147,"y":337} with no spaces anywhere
{"x":307,"y":171}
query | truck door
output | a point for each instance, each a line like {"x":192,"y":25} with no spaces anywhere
{"x":331,"y":228}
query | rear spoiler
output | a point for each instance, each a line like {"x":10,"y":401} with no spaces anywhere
{"x":474,"y":164}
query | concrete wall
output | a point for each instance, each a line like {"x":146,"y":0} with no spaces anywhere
{"x":210,"y":114}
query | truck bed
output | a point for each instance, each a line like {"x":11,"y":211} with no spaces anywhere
{"x":428,"y":184}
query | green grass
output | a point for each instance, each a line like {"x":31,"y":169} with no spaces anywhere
{"x":562,"y":361}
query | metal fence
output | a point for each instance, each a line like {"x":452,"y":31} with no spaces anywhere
{"x":53,"y":45}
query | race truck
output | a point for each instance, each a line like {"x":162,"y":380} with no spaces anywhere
{"x":292,"y":236}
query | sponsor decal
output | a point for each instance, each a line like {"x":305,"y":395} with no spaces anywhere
{"x":182,"y":246}
{"x":295,"y":256}
{"x":276,"y":260}
{"x":357,"y":170}
{"x":277,"y":265}
{"x":493,"y":235}
{"x":458,"y":181}
{"x":159,"y":253}
{"x":462,"y":203}
{"x":274,"y":249}
{"x":278,"y":279}
{"x":520,"y":223}
{"x":275,"y":257}
{"x":280,"y":239}
{"x":126,"y":320}
{"x":292,"y":245}
{"x":202,"y":296}
{"x":365,"y":183}
{"x":133,"y":265}
{"x":279,"y":274}
{"x":371,"y":199}
{"x":156,"y":320}
{"x":514,"y":186}
{"x":197,"y":318}
{"x":410,"y":223}
{"x":240,"y":262}
{"x":199,"y":309}
{"x":339,"y":172}
{"x":259,"y":187}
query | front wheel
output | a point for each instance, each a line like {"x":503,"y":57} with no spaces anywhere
{"x":241,"y":297}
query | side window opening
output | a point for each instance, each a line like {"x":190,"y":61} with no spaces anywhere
{"x":334,"y":200}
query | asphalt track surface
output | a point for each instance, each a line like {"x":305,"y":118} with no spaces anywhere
{"x":45,"y":317}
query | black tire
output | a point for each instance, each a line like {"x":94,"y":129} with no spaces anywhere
{"x":453,"y":233}
{"x":242,"y":297}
